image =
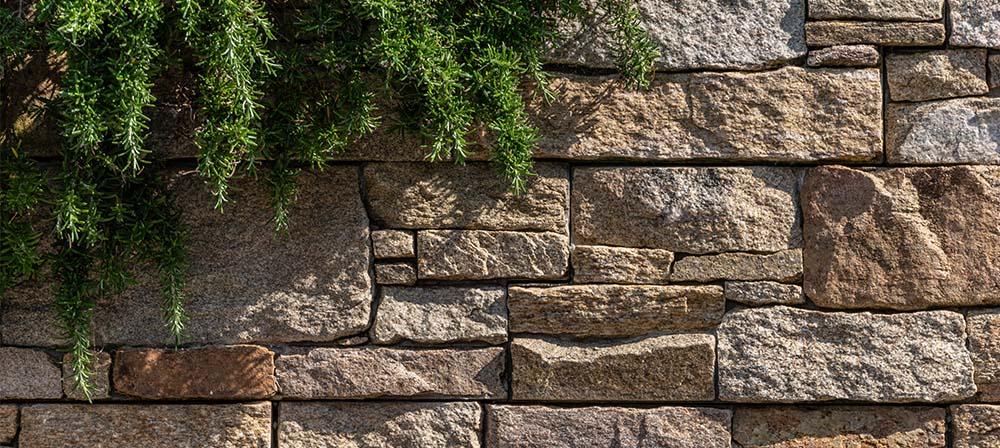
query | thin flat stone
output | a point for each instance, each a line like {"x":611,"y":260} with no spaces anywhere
{"x":395,"y":273}
{"x":844,"y":56}
{"x":975,"y":426}
{"x":984,"y":343}
{"x":900,"y":10}
{"x":764,"y":293}
{"x":839,"y":427}
{"x":900,"y":34}
{"x":994,"y":71}
{"x":784,"y":266}
{"x":626,"y":265}
{"x":939,"y":74}
{"x":484,"y":255}
{"x":27,"y":374}
{"x":441,"y":315}
{"x":953,"y":131}
{"x":240,"y":372}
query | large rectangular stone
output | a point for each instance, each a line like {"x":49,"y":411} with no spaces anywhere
{"x":688,"y":209}
{"x":240,"y":372}
{"x":962,"y":130}
{"x":484,"y":255}
{"x":932,"y":75}
{"x":975,"y":23}
{"x":839,"y":427}
{"x":440,"y":315}
{"x":984,"y":343}
{"x":790,"y":115}
{"x":27,"y":374}
{"x":783,"y":354}
{"x":890,"y":34}
{"x":901,"y":10}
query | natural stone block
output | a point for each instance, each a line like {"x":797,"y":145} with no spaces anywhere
{"x":27,"y":374}
{"x":445,"y":196}
{"x":740,"y":35}
{"x":975,"y":426}
{"x":483,"y":255}
{"x":901,"y":34}
{"x":984,"y":344}
{"x":975,"y":23}
{"x":614,"y":310}
{"x":379,"y":425}
{"x":790,"y":115}
{"x":994,"y":62}
{"x":904,"y":238}
{"x":784,"y":266}
{"x":368,"y":372}
{"x":552,"y":427}
{"x":604,"y":264}
{"x":688,"y":209}
{"x":900,"y":10}
{"x":838,"y":427}
{"x":393,"y":244}
{"x":240,"y":372}
{"x":8,"y":423}
{"x":99,"y":378}
{"x":783,"y":354}
{"x":395,"y":273}
{"x":844,"y":56}
{"x":952,"y":131}
{"x":936,"y":74}
{"x":148,"y":426}
{"x":764,"y":293}
{"x":439,"y":315}
{"x":665,"y":368}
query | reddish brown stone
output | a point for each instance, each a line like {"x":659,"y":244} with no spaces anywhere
{"x":239,"y":372}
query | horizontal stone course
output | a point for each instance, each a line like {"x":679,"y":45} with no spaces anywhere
{"x":839,"y":426}
{"x":395,"y":273}
{"x":902,"y":10}
{"x":628,"y":265}
{"x":439,"y":315}
{"x":784,"y":266}
{"x":844,"y":56}
{"x":484,"y":255}
{"x":764,"y":293}
{"x":239,"y":372}
{"x":889,"y":34}
{"x":27,"y":374}
{"x":937,"y":74}
{"x":952,"y":131}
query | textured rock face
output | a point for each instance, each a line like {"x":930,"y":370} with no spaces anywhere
{"x":603,"y":264}
{"x":691,"y":210}
{"x":379,"y":425}
{"x":784,"y":354}
{"x":393,"y":244}
{"x":100,"y":378}
{"x":482,"y":255}
{"x":162,"y":426}
{"x":995,"y":71}
{"x":663,"y":368}
{"x":975,"y":23}
{"x":395,"y":273}
{"x":984,"y":343}
{"x":27,"y":374}
{"x":694,"y":34}
{"x":240,"y":372}
{"x":975,"y":426}
{"x":8,"y":423}
{"x":876,"y":33}
{"x":903,"y":10}
{"x":937,"y":74}
{"x":838,"y":427}
{"x":790,"y":114}
{"x":764,"y":293}
{"x":785,"y":266}
{"x":954,"y":131}
{"x":443,"y":196}
{"x":552,"y":427}
{"x":337,"y":373}
{"x":902,"y":238}
{"x":438,"y":315}
{"x":614,"y":310}
{"x":844,"y":56}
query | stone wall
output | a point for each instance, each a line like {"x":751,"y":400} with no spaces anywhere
{"x":792,"y":239}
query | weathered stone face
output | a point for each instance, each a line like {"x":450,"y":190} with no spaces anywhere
{"x":368,"y":372}
{"x":784,"y":266}
{"x":100,"y":378}
{"x":664,"y":368}
{"x":936,"y":74}
{"x":902,"y":238}
{"x":8,"y":423}
{"x":614,"y":310}
{"x":764,"y":293}
{"x":902,"y":10}
{"x":437,"y":315}
{"x":961,"y":130}
{"x":839,"y":426}
{"x":159,"y":426}
{"x":995,"y":71}
{"x":27,"y":374}
{"x":975,"y":426}
{"x":552,"y":427}
{"x":975,"y":23}
{"x":395,"y":273}
{"x":379,"y":425}
{"x":691,"y":210}
{"x":483,"y":255}
{"x":984,"y":344}
{"x":240,"y":372}
{"x":790,"y":114}
{"x":844,"y":56}
{"x":783,"y":354}
{"x":604,"y":264}
{"x":902,"y":34}
{"x":393,"y":244}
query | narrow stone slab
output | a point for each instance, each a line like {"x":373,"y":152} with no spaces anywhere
{"x":764,"y":293}
{"x":784,"y":266}
{"x":975,"y":23}
{"x":372,"y":424}
{"x":239,"y":372}
{"x":688,"y":209}
{"x":664,"y":368}
{"x":975,"y":426}
{"x":445,"y":196}
{"x":901,"y":34}
{"x":984,"y":343}
{"x":783,"y":354}
{"x":148,"y":426}
{"x":994,"y":71}
{"x":614,"y":310}
{"x":368,"y":372}
{"x":440,"y":315}
{"x":776,"y":115}
{"x":393,"y":244}
{"x":844,"y":56}
{"x":27,"y":374}
{"x":902,"y":238}
{"x":553,"y":427}
{"x":100,"y":378}
{"x":839,"y":426}
{"x":901,"y":10}
{"x":483,"y":255}
{"x":395,"y":273}
{"x":628,"y":265}
{"x":952,"y":131}
{"x":937,"y":74}
{"x":8,"y":423}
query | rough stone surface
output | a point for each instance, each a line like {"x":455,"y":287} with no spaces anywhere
{"x":902,"y":238}
{"x":8,"y":423}
{"x":902,"y":10}
{"x":994,"y":71}
{"x":393,"y":244}
{"x":379,"y":425}
{"x":239,"y":372}
{"x":975,"y":426}
{"x":614,"y":310}
{"x":687,"y":209}
{"x":764,"y":293}
{"x":790,"y":114}
{"x":903,"y":34}
{"x":932,"y":75}
{"x":784,"y":266}
{"x":438,"y":315}
{"x":604,"y":264}
{"x":100,"y":378}
{"x":783,"y":354}
{"x":27,"y":374}
{"x":839,"y":427}
{"x":444,"y":196}
{"x":964,"y":130}
{"x":844,"y":56}
{"x":984,"y":343}
{"x":663,"y":368}
{"x":696,"y":34}
{"x":482,"y":255}
{"x":975,"y":23}
{"x":552,"y":427}
{"x":157,"y":426}
{"x":395,"y":273}
{"x":368,"y":372}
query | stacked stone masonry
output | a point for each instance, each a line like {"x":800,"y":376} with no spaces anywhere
{"x":790,"y":239}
